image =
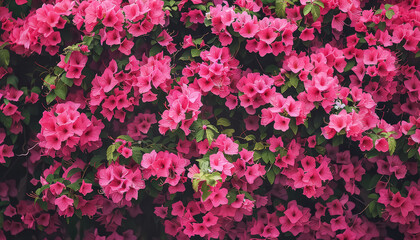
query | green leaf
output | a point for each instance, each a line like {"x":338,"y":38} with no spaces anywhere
{"x":281,"y":8}
{"x":259,"y":146}
{"x":294,"y":81}
{"x":39,"y":190}
{"x":126,"y":138}
{"x":155,"y":50}
{"x":349,"y":65}
{"x":67,"y":81}
{"x":373,"y":196}
{"x":199,"y":135}
{"x":268,"y":157}
{"x":223,"y":122}
{"x":229,"y":132}
{"x":319,"y":3}
{"x":12,"y":80}
{"x":231,"y":196}
{"x":389,"y":14}
{"x":195,"y":184}
{"x":307,"y":9}
{"x":6,"y":121}
{"x":4,"y":58}
{"x":195,"y":52}
{"x":250,"y":137}
{"x":412,"y":153}
{"x":209,"y":135}
{"x":50,"y":97}
{"x":66,"y":59}
{"x":95,"y":161}
{"x":379,"y":11}
{"x":271,"y":176}
{"x":87,"y":40}
{"x":206,"y":191}
{"x":387,"y":6}
{"x":137,"y":154}
{"x":293,"y":126}
{"x":61,"y":90}
{"x":316,"y":12}
{"x":212,"y":128}
{"x":110,"y":153}
{"x":76,"y":185}
{"x":392,"y":145}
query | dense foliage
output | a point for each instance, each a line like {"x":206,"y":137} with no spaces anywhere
{"x":267,"y":119}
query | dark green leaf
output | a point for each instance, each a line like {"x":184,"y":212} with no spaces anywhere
{"x":155,"y":50}
{"x":206,"y":191}
{"x":268,"y":157}
{"x":4,"y":58}
{"x":61,"y":90}
{"x":195,"y":52}
{"x":137,"y":154}
{"x":271,"y":176}
{"x":67,"y":81}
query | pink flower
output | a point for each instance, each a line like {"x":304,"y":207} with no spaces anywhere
{"x":381,"y":145}
{"x":366,"y":143}
{"x":64,"y":202}
{"x":57,"y":188}
{"x":85,"y":188}
{"x":307,"y":34}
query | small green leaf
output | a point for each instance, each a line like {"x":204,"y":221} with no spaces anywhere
{"x":387,"y":6}
{"x":50,"y":97}
{"x":259,"y":146}
{"x":199,"y":135}
{"x":155,"y":50}
{"x":349,"y":66}
{"x":195,"y":52}
{"x":319,"y":3}
{"x":294,"y":81}
{"x":206,"y":191}
{"x":271,"y":176}
{"x":316,"y":12}
{"x":61,"y":90}
{"x":250,"y":137}
{"x":228,"y":132}
{"x":373,"y":196}
{"x":231,"y":196}
{"x":110,"y":152}
{"x":281,"y":8}
{"x":137,"y":154}
{"x":12,"y":80}
{"x":67,"y":81}
{"x":389,"y":14}
{"x":4,"y":58}
{"x":210,"y":135}
{"x":126,"y":138}
{"x":223,"y":122}
{"x":268,"y":157}
{"x":195,"y":184}
{"x":392,"y":145}
{"x":307,"y":9}
{"x":66,"y":59}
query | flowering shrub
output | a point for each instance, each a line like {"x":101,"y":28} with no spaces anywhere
{"x":264,"y":119}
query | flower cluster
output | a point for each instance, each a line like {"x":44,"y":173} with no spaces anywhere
{"x":64,"y":128}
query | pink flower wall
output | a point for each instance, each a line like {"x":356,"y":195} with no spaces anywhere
{"x":267,"y":119}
